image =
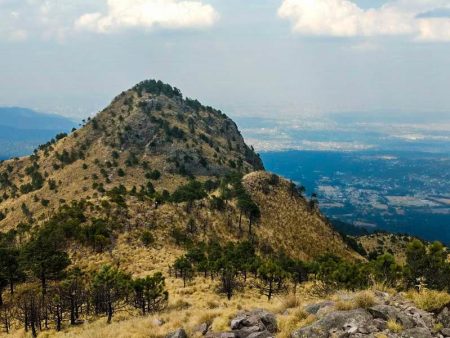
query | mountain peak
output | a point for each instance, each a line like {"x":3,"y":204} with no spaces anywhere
{"x":153,"y":118}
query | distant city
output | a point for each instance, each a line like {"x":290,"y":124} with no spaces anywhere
{"x":402,"y":192}
{"x":367,"y":170}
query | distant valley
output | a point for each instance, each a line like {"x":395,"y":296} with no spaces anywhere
{"x":378,"y":171}
{"x":402,"y":192}
{"x":22,"y":130}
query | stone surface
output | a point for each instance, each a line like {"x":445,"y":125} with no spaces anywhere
{"x":180,"y":333}
{"x":337,"y":323}
{"x":253,"y":324}
{"x":418,"y":332}
{"x":444,"y":317}
{"x":221,"y":335}
{"x":312,"y":309}
{"x":203,"y":328}
{"x":446,"y":332}
{"x":373,"y":322}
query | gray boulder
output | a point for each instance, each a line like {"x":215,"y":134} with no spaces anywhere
{"x":254,"y":324}
{"x":222,"y":335}
{"x":418,"y":332}
{"x":254,"y":321}
{"x":387,"y":312}
{"x":335,"y":323}
{"x":204,"y":328}
{"x":446,"y":332}
{"x":312,"y":309}
{"x":444,"y":317}
{"x":263,"y":334}
{"x":180,"y":333}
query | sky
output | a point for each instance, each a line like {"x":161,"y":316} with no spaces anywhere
{"x":268,"y":58}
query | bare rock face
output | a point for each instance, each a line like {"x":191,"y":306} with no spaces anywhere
{"x":444,"y":317}
{"x":254,"y":324}
{"x":338,"y":323}
{"x":180,"y":333}
{"x":373,"y":321}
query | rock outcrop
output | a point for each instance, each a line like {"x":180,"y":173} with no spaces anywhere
{"x":391,"y":317}
{"x":254,"y":324}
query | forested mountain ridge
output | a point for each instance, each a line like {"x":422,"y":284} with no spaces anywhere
{"x":146,"y":188}
{"x":177,"y":136}
{"x":145,"y":145}
{"x":156,"y":206}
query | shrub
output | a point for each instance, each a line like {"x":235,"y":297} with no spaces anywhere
{"x":190,"y":192}
{"x":120,"y":172}
{"x":150,"y":293}
{"x":147,"y":238}
{"x":217,"y":203}
{"x":153,"y":175}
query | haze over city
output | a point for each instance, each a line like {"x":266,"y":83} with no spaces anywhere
{"x":286,"y":58}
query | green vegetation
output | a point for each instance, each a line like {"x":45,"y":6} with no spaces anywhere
{"x":37,"y":180}
{"x":232,"y":262}
{"x":63,"y":294}
{"x":157,"y":88}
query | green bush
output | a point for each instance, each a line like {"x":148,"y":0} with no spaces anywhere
{"x":147,"y":238}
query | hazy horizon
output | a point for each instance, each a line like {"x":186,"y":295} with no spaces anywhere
{"x":284,"y":58}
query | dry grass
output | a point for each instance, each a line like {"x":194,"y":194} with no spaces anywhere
{"x":289,"y":301}
{"x":394,"y":243}
{"x":380,"y":335}
{"x":394,"y":326}
{"x":345,"y":305}
{"x":364,"y":299}
{"x":288,"y":225}
{"x":376,"y":286}
{"x":438,"y":327}
{"x":297,"y":318}
{"x":345,"y":302}
{"x":429,"y":300}
{"x":188,"y":308}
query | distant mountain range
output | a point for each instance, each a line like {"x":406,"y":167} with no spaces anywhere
{"x":22,"y":130}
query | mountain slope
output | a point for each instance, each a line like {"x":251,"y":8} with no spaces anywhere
{"x":149,"y":142}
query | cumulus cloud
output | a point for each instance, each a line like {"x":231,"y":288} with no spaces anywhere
{"x":148,"y":14}
{"x":53,"y":19}
{"x":344,"y":18}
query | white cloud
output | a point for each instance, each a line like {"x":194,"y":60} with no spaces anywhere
{"x":344,"y":18}
{"x":148,"y":14}
{"x":54,"y":19}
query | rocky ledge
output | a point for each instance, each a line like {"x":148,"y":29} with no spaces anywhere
{"x":390,"y":317}
{"x":387,"y":317}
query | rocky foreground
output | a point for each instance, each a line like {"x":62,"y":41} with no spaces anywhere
{"x":387,"y":317}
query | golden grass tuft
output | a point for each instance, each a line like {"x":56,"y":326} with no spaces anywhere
{"x":394,"y":326}
{"x":364,"y":299}
{"x":438,"y":327}
{"x":380,"y":335}
{"x":296,"y":319}
{"x":429,"y":300}
{"x":289,"y":301}
{"x":344,"y":305}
